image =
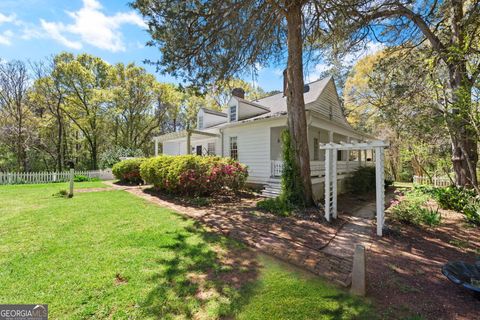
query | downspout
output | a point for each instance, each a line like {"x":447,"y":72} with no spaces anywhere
{"x":221,"y":142}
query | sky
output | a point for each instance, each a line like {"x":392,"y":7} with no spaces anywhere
{"x":35,"y":29}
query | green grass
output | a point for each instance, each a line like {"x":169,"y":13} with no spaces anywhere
{"x":284,"y":292}
{"x":112,"y":255}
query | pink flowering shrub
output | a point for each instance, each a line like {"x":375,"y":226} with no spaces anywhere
{"x":193,"y":175}
{"x":128,"y":171}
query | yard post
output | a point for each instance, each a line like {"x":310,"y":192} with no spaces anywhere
{"x":358,"y":272}
{"x":72,"y":176}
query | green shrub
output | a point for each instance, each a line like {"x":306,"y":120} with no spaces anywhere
{"x":292,"y":188}
{"x":472,"y":213}
{"x":128,"y":170}
{"x":430,"y":217}
{"x":61,"y":193}
{"x":459,"y":199}
{"x":193,"y":175}
{"x":412,"y":209}
{"x":276,"y":206}
{"x":406,"y":213}
{"x":414,"y":214}
{"x":111,"y":156}
{"x":80,"y":178}
{"x":405,"y":176}
{"x":453,"y":197}
{"x":363,"y":181}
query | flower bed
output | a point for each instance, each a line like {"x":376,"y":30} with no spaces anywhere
{"x":193,"y":175}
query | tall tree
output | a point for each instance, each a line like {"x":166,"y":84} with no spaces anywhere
{"x":396,"y":96}
{"x":86,"y":83}
{"x":135,"y":105}
{"x":47,"y":98}
{"x":14,"y":111}
{"x":451,"y":28}
{"x":170,"y":99}
{"x":205,"y":41}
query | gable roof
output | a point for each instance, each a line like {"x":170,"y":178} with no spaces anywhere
{"x":277,"y":103}
{"x":252,"y":103}
{"x":214,"y":112}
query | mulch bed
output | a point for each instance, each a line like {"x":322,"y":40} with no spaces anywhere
{"x":404,"y":270}
{"x":241,"y":208}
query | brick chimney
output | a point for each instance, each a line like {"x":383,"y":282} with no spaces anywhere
{"x":238,"y":92}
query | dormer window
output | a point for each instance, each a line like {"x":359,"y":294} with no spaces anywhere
{"x":233,"y":113}
{"x":200,"y":122}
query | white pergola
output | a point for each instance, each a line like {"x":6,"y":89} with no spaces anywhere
{"x":331,"y":176}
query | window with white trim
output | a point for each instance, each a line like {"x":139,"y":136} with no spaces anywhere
{"x":233,"y":113}
{"x":233,"y":148}
{"x":211,"y":148}
{"x":200,"y":122}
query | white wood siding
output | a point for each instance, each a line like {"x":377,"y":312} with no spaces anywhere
{"x":328,"y":104}
{"x":204,"y":143}
{"x":210,"y":120}
{"x":253,"y":149}
{"x":175,"y":148}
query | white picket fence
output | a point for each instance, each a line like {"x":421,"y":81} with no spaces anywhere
{"x":47,"y":177}
{"x":436,"y":181}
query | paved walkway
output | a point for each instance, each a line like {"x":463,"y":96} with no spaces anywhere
{"x":322,"y":249}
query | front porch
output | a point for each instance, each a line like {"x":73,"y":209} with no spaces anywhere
{"x":188,"y":141}
{"x":317,"y":168}
{"x":347,"y":161}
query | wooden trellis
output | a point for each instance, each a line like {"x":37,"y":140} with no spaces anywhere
{"x":331,"y":176}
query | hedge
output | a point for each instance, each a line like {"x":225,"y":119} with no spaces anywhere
{"x":193,"y":175}
{"x":128,"y":170}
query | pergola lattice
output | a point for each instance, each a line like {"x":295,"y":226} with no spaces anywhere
{"x":331,"y":176}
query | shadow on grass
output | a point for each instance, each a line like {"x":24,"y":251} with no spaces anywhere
{"x":202,"y":277}
{"x":287,"y":292}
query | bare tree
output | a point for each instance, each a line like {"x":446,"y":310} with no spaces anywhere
{"x":14,"y":84}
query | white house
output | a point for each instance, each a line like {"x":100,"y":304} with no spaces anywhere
{"x":250,"y":132}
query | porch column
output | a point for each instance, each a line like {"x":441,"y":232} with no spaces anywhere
{"x":334,"y":183}
{"x":156,"y":147}
{"x":348,"y":154}
{"x":365,"y":155}
{"x":359,"y":155}
{"x":189,"y":137}
{"x":380,"y":188}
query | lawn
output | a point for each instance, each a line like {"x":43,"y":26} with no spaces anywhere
{"x":112,"y":255}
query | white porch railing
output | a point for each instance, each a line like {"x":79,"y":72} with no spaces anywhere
{"x":47,"y":177}
{"x":436,"y":181}
{"x":317,"y":168}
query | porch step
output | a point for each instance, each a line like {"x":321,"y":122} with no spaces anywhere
{"x":272,"y":189}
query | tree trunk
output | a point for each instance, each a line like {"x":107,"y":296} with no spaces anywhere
{"x":297,"y":122}
{"x":463,"y":135}
{"x":60,"y":152}
{"x":94,"y":154}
